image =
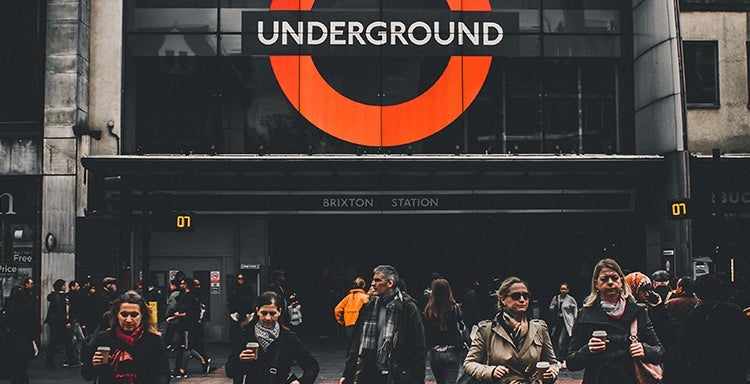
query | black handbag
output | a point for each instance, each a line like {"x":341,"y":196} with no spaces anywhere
{"x":464,"y":334}
{"x":465,"y":377}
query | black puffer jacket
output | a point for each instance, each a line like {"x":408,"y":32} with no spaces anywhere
{"x":149,"y":358}
{"x":279,"y":355}
{"x":614,"y":365}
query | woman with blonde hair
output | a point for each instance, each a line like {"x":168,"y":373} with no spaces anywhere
{"x":136,"y":352}
{"x":507,"y":349}
{"x":611,"y":308}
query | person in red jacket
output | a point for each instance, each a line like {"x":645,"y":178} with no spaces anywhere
{"x":347,"y":310}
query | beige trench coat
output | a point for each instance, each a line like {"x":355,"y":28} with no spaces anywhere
{"x":521,"y":361}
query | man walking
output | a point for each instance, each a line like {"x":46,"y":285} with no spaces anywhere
{"x":76,"y":311}
{"x":388,"y":345}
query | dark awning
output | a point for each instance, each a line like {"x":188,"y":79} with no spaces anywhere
{"x":488,"y":183}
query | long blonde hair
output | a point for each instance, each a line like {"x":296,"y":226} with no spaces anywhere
{"x":133,"y":297}
{"x":605,"y":263}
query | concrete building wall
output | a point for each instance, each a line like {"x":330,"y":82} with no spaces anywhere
{"x":658,"y":100}
{"x":727,"y":127}
{"x":65,"y":106}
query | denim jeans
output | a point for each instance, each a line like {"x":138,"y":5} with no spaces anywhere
{"x":444,"y":364}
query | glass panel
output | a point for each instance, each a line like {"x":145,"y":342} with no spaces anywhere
{"x":230,"y":45}
{"x":599,"y":108}
{"x":175,"y":46}
{"x":527,"y":10}
{"x":21,"y":65}
{"x":582,"y":46}
{"x":523,"y":109}
{"x":581,"y":21}
{"x":560,"y":108}
{"x":701,"y":72}
{"x":176,"y":20}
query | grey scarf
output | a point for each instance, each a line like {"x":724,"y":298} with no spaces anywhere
{"x":372,"y":337}
{"x":266,"y":336}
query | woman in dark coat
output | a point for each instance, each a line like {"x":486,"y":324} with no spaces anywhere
{"x":278,"y":347}
{"x":137,"y":354}
{"x":611,"y":307}
{"x":20,"y":346}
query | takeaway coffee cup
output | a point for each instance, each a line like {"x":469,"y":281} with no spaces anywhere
{"x":601,"y":335}
{"x":541,"y":367}
{"x":254,"y":347}
{"x":104,"y":350}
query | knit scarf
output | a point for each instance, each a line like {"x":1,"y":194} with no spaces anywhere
{"x":122,"y":360}
{"x":265,"y":335}
{"x":371,"y":335}
{"x":517,"y":330}
{"x":614,"y":310}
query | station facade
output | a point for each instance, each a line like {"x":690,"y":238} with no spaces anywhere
{"x":479,"y":138}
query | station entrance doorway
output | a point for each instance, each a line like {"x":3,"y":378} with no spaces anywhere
{"x":323,"y":253}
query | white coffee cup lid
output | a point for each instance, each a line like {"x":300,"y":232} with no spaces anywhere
{"x":542,"y":364}
{"x":252,"y":344}
{"x":102,"y":348}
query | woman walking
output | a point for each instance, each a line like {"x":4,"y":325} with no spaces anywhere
{"x":135,"y":352}
{"x":507,"y":349}
{"x":564,"y":310}
{"x":441,"y":329}
{"x":264,"y":350}
{"x":611,"y":308}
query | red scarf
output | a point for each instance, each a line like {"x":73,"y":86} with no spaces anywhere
{"x":123,"y":372}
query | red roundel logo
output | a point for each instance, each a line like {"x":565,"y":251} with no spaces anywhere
{"x":376,"y":125}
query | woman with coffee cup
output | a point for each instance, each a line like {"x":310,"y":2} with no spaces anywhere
{"x":131,"y":351}
{"x":264,"y":349}
{"x":601,"y":342}
{"x":507,"y":349}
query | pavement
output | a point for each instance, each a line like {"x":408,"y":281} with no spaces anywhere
{"x":330,"y":355}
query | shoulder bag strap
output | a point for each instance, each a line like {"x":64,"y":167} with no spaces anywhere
{"x":634,"y":330}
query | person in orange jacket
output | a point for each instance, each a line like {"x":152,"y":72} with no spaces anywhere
{"x":347,"y":309}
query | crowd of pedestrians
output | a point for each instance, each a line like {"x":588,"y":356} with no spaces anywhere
{"x":683,"y":331}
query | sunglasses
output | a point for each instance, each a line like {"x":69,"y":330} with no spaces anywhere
{"x":614,"y":278}
{"x":518,"y":295}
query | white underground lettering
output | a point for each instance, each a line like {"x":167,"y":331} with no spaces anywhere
{"x":394,"y":33}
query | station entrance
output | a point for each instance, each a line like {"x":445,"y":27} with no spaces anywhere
{"x":322,"y":254}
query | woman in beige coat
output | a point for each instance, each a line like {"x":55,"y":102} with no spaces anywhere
{"x":507,"y":349}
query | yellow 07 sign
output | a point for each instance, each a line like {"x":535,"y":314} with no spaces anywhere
{"x":680,"y":209}
{"x":183,"y":222}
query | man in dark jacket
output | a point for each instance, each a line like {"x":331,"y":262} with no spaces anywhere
{"x":713,"y":347}
{"x":58,"y":323}
{"x":388,"y":345}
{"x":76,"y":313}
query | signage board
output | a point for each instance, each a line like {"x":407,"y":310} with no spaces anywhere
{"x":215,"y":279}
{"x":468,"y":34}
{"x":408,"y":202}
{"x":680,"y":209}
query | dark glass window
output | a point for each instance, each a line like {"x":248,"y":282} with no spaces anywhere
{"x":22,"y":68}
{"x":715,"y":5}
{"x":701,"y":73}
{"x":192,"y":87}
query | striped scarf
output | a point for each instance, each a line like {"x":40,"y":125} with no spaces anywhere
{"x":370,"y":333}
